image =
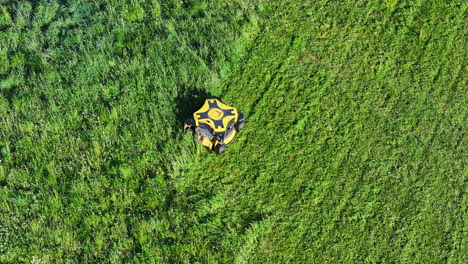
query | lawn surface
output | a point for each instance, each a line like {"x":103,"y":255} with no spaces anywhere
{"x":354,"y":149}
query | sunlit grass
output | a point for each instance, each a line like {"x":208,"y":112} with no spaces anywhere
{"x":353,"y":150}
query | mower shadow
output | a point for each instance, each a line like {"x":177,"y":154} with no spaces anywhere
{"x":188,"y":102}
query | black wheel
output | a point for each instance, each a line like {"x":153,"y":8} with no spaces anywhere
{"x":189,"y":124}
{"x":220,"y":148}
{"x":240,"y":125}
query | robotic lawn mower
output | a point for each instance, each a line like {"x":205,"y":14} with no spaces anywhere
{"x":216,"y":124}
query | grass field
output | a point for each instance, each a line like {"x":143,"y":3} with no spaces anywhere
{"x":354,"y":149}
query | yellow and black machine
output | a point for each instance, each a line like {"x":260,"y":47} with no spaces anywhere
{"x":215,"y":124}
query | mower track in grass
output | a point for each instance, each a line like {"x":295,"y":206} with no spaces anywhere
{"x":353,"y":150}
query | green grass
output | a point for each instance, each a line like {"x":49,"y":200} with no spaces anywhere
{"x":353,"y":151}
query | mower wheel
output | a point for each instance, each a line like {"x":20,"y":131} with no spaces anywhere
{"x":239,"y":125}
{"x":220,"y":148}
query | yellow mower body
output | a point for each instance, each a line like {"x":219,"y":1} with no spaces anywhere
{"x":216,"y":124}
